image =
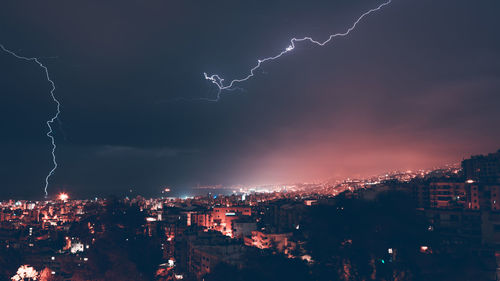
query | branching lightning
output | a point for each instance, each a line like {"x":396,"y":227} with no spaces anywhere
{"x":219,"y":81}
{"x":51,"y":120}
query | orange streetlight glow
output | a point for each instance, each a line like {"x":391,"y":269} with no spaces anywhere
{"x":63,"y":196}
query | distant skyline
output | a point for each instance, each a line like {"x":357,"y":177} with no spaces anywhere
{"x":414,"y":86}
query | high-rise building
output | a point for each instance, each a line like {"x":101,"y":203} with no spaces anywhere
{"x":483,"y":168}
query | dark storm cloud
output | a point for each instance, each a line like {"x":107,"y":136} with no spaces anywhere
{"x":416,"y":85}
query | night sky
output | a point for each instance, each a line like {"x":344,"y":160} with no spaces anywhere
{"x":416,"y":85}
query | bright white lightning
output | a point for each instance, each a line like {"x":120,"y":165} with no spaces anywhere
{"x":51,"y":120}
{"x":219,"y":81}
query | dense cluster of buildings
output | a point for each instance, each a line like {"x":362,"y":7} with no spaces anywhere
{"x":197,"y":234}
{"x":40,"y":231}
{"x":468,"y":204}
{"x":461,"y":207}
{"x":201,"y":235}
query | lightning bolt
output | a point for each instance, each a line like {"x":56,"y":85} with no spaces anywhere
{"x":219,"y":81}
{"x":51,"y":120}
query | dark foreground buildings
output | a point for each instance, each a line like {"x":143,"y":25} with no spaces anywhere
{"x":464,"y":213}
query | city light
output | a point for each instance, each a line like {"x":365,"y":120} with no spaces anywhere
{"x":424,"y":249}
{"x":269,"y":217}
{"x":25,"y":272}
{"x":63,"y":196}
{"x":344,"y":157}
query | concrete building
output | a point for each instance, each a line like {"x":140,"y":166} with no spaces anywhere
{"x":243,"y":227}
{"x":483,"y":168}
{"x":447,"y":195}
{"x":205,"y":250}
{"x":279,"y":241}
{"x":223,"y":217}
{"x":483,"y":197}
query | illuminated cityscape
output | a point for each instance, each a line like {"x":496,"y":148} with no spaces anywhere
{"x":444,"y":214}
{"x":290,"y":140}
